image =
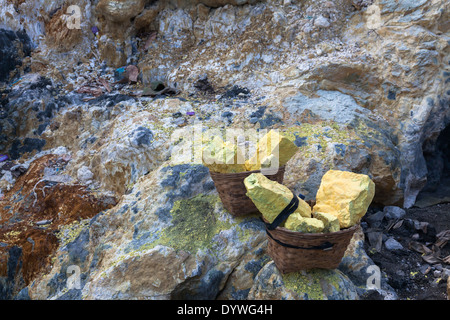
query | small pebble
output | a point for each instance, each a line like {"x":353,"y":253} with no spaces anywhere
{"x":43,"y":222}
{"x":253,"y":120}
{"x":391,"y":244}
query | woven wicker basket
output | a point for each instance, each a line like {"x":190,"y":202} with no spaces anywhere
{"x":293,"y":251}
{"x":231,"y":189}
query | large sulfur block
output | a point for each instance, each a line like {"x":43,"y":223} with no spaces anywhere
{"x":223,"y":157}
{"x":271,"y":197}
{"x":330,"y":222}
{"x":272,"y":146}
{"x":346,"y":195}
{"x":296,"y":222}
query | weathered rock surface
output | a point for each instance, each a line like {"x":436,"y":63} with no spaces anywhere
{"x":36,"y":215}
{"x":363,"y":272}
{"x":177,"y":242}
{"x":14,"y":46}
{"x":316,"y":284}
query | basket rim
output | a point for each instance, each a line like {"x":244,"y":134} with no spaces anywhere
{"x":314,"y":235}
{"x":243,"y":172}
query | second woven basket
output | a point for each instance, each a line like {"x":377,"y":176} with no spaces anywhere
{"x":232,"y":191}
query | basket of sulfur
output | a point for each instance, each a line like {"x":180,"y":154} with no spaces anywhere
{"x":228,"y":169}
{"x":301,"y":237}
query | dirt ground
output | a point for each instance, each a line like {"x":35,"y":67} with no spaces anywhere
{"x":410,"y":272}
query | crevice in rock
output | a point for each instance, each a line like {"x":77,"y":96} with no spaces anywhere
{"x":437,"y":157}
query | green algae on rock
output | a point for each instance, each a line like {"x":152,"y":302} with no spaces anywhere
{"x":194,"y":223}
{"x":315,"y":284}
{"x":319,"y":284}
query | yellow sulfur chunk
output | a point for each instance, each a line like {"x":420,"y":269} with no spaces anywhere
{"x":271,"y":197}
{"x":296,"y":222}
{"x":274,"y":144}
{"x":223,"y":157}
{"x":269,"y":162}
{"x":346,"y":195}
{"x":330,"y":222}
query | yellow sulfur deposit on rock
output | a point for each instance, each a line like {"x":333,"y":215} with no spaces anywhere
{"x":271,"y":198}
{"x":272,"y":146}
{"x":296,"y":222}
{"x":223,"y":157}
{"x":330,"y":222}
{"x":346,"y":195}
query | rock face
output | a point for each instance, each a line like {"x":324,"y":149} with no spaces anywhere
{"x":318,"y":284}
{"x":152,"y":259}
{"x":357,"y":86}
{"x":14,"y":46}
{"x":120,"y":10}
{"x":26,"y":112}
{"x":30,"y":228}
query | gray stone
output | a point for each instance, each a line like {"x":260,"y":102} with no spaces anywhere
{"x":375,"y":219}
{"x":393,"y":212}
{"x":141,"y":136}
{"x":227,"y":114}
{"x":391,"y":244}
{"x":401,"y":5}
{"x":23,"y":295}
{"x":179,"y":121}
{"x":321,"y":22}
{"x":253,"y":120}
{"x":84,"y":174}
